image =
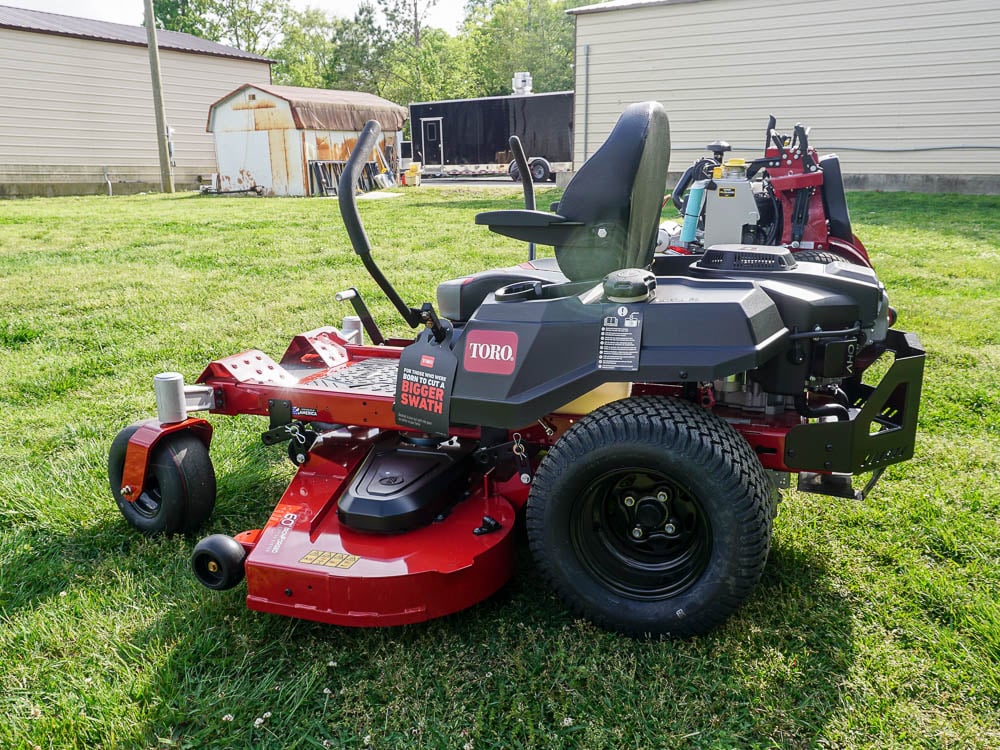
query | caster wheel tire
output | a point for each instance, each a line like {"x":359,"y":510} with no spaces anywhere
{"x":179,"y":491}
{"x":651,"y":516}
{"x":218,"y":562}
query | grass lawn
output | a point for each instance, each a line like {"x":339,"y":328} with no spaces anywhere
{"x":876,"y":624}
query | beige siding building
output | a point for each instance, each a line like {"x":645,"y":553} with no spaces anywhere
{"x":907,"y":92}
{"x":77,"y":105}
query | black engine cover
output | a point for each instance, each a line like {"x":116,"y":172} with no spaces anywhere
{"x":401,"y":486}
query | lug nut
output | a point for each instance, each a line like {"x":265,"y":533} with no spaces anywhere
{"x":662,"y":496}
{"x":629,"y":501}
{"x":670,"y":529}
{"x":637,"y":532}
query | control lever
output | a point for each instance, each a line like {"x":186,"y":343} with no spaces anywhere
{"x":771,"y":122}
{"x":361,"y":310}
{"x":529,"y":188}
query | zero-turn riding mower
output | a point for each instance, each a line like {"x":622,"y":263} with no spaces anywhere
{"x":637,"y":411}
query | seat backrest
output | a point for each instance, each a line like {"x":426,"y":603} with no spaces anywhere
{"x":835,"y":199}
{"x":617,"y":194}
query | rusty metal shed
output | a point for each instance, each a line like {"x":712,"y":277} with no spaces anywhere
{"x":282,"y":140}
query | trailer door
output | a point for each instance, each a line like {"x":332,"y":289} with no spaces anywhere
{"x":433,"y":143}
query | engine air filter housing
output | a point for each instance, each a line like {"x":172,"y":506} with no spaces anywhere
{"x":747,"y":258}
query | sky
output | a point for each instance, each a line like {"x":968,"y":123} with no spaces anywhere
{"x":446,"y":14}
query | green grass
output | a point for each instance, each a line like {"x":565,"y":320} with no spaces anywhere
{"x":877,"y":624}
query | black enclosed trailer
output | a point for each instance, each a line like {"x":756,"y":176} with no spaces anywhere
{"x":469,"y":136}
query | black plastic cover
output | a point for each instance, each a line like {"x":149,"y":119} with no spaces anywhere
{"x":693,"y":330}
{"x":401,"y":486}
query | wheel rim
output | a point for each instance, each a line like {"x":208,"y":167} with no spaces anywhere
{"x":209,"y":569}
{"x":641,"y":534}
{"x":149,"y":502}
{"x":537,"y":172}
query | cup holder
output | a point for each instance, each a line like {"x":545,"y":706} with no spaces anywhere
{"x":519,"y":291}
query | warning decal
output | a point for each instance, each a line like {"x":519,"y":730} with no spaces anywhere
{"x":330,"y":559}
{"x":423,"y":384}
{"x":621,"y":338}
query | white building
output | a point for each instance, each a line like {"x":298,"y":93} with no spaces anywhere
{"x":77,"y":103}
{"x":907,"y":92}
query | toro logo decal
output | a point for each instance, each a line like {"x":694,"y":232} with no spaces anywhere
{"x":493,"y":352}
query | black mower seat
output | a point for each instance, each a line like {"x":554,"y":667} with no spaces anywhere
{"x":835,"y":199}
{"x":459,"y":298}
{"x":610,"y":212}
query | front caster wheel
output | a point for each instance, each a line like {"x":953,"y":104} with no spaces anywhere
{"x":218,"y":562}
{"x":179,"y":491}
{"x":651,"y":516}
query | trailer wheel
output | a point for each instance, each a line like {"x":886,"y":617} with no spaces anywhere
{"x":179,"y":491}
{"x":539,"y":171}
{"x":651,"y":516}
{"x":217,"y":561}
{"x":514,"y":172}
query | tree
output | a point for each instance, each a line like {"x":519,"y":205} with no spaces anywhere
{"x":406,"y":17}
{"x":190,"y":16}
{"x":438,"y":69}
{"x":507,"y":36}
{"x":307,"y":49}
{"x":360,"y":59}
{"x":250,"y":25}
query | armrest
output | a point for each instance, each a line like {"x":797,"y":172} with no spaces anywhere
{"x":531,"y":226}
{"x":519,"y":218}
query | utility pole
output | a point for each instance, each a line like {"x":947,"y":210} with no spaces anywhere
{"x":166,"y":170}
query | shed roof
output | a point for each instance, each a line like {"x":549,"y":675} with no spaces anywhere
{"x":329,"y":109}
{"x":619,"y":4}
{"x":117,"y":33}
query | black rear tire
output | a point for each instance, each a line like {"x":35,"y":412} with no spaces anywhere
{"x":651,"y":516}
{"x":819,"y":256}
{"x":514,"y":172}
{"x":179,"y":489}
{"x":217,"y":561}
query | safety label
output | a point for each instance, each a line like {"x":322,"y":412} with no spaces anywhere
{"x":330,"y":559}
{"x":423,"y":384}
{"x":621,"y":338}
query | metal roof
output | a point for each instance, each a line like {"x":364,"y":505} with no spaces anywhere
{"x":620,"y":4}
{"x":117,"y":33}
{"x":328,"y":109}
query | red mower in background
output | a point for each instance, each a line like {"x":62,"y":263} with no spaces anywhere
{"x":639,"y":411}
{"x":790,"y":197}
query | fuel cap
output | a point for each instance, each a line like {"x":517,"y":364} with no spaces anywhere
{"x":629,"y":285}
